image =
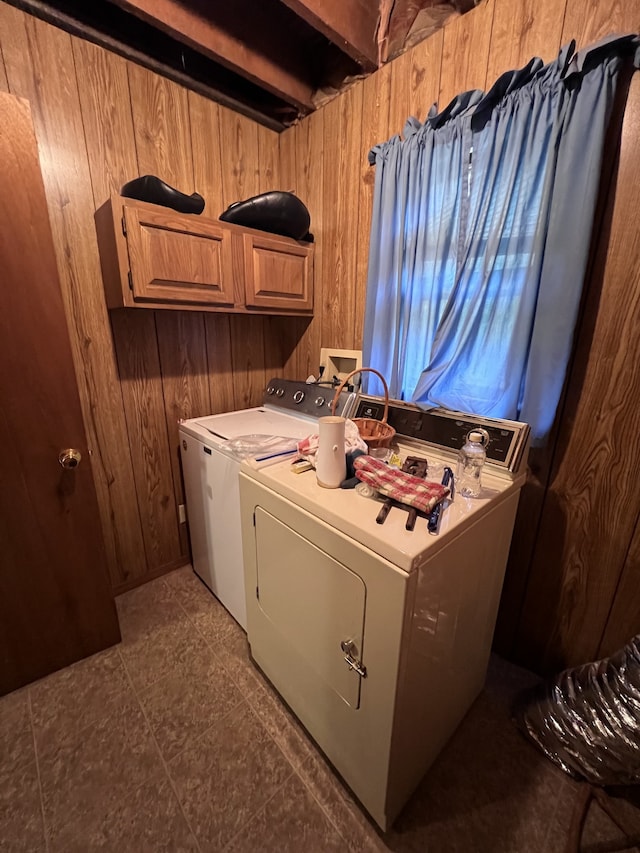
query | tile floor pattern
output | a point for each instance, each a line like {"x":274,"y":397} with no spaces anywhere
{"x":173,"y":741}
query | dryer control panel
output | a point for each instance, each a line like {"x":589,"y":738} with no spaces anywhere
{"x":508,"y":440}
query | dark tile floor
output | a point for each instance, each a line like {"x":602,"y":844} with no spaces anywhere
{"x":172,"y":741}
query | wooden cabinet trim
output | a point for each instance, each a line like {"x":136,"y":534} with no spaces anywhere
{"x":145,"y":228}
{"x":262,"y":294}
{"x":124,"y":227}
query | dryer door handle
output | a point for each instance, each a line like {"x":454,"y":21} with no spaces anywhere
{"x":350,"y":650}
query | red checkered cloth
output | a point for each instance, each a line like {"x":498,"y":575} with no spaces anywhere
{"x":404,"y":488}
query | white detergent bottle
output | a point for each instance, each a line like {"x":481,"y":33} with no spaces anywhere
{"x":471,"y":459}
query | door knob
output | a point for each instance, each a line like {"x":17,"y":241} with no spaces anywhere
{"x":69,"y":458}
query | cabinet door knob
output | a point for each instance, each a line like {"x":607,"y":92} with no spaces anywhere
{"x":69,"y":458}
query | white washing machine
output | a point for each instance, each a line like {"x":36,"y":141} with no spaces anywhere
{"x":210,"y":467}
{"x":376,"y":636}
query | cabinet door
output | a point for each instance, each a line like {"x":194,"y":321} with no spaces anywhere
{"x":277,"y":273}
{"x":174,"y":258}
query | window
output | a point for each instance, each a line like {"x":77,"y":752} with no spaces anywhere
{"x":480,"y":236}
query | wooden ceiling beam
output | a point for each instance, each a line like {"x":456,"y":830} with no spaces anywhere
{"x":199,"y":32}
{"x":349,"y":24}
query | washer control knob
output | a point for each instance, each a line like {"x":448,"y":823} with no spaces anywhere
{"x":270,"y":389}
{"x":319,"y":401}
{"x":279,"y":392}
{"x":298,"y":397}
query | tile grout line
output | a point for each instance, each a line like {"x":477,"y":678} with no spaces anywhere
{"x":45,"y":828}
{"x":295,"y":771}
{"x":243,"y":697}
{"x":206,"y":731}
{"x":243,"y":700}
{"x":159,"y":751}
{"x":320,"y":806}
{"x":165,"y":763}
{"x":211,"y":646}
{"x":262,"y":807}
{"x":246,"y":698}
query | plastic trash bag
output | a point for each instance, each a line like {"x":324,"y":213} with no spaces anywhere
{"x":587,"y":719}
{"x":261,"y":448}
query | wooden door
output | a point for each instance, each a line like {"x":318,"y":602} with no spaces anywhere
{"x":56,"y":604}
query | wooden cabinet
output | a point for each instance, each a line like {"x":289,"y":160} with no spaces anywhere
{"x":154,"y":257}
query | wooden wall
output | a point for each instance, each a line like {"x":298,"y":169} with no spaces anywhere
{"x":100,"y":121}
{"x":572,"y":590}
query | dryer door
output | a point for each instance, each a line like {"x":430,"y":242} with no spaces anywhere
{"x":313,"y":601}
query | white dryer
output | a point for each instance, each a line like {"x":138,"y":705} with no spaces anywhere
{"x":210,"y":467}
{"x":378,"y":637}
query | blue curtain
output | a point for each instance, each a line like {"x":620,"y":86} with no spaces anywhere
{"x":480,"y":237}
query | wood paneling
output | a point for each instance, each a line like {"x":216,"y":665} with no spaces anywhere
{"x":240,"y":153}
{"x":247,"y":359}
{"x":268,"y":160}
{"x":103,"y":85}
{"x":4,"y":83}
{"x":162,"y":129}
{"x":287,"y":151}
{"x":161,"y":123}
{"x":591,"y":507}
{"x":424,"y":75}
{"x":586,"y":21}
{"x":623,"y":622}
{"x":221,"y":380}
{"x":284,"y":353}
{"x":465,"y":52}
{"x":183,"y":365}
{"x":40,"y":68}
{"x":400,"y":94}
{"x":139,"y":366}
{"x":309,"y":182}
{"x":376,"y":92}
{"x":342,"y":152}
{"x":208,"y":173}
{"x":522,"y":30}
{"x":101,"y":121}
{"x":624,"y":261}
{"x":205,"y":141}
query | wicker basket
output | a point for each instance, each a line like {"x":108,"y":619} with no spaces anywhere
{"x":376,"y":433}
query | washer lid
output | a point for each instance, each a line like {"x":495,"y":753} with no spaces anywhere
{"x":258,"y":421}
